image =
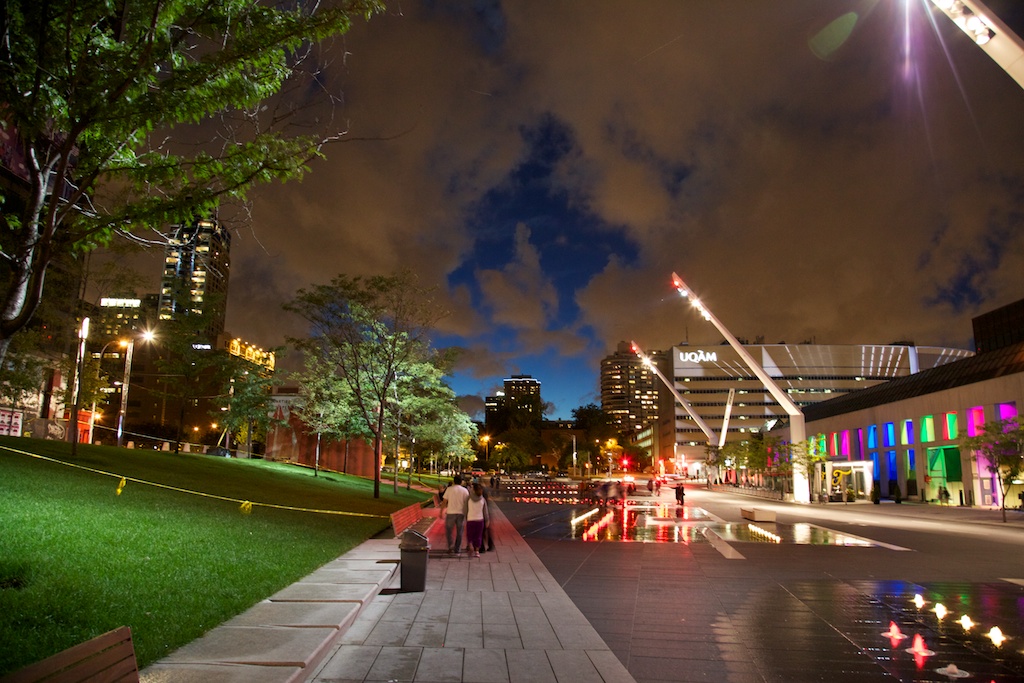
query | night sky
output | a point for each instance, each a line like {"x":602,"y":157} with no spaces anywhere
{"x":549,"y":164}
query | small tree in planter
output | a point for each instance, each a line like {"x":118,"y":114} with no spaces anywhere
{"x":1000,"y":444}
{"x":876,"y":493}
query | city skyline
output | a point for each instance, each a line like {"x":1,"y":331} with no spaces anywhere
{"x":549,"y":168}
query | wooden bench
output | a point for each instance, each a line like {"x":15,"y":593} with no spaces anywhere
{"x":413,"y":517}
{"x":757,"y":514}
{"x":109,"y":658}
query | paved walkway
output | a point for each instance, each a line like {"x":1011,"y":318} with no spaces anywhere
{"x":500,"y":617}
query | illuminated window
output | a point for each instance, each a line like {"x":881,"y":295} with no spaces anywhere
{"x":952,"y":431}
{"x":975,"y":419}
{"x":844,"y":443}
{"x":890,"y":434}
{"x":873,"y":438}
{"x":907,"y":433}
{"x":927,"y":429}
{"x":1006,"y":411}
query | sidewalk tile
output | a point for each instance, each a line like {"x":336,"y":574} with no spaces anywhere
{"x":502,"y":636}
{"x":469,"y":636}
{"x":528,"y":666}
{"x":440,"y":665}
{"x":426,"y":634}
{"x":573,"y":666}
{"x":395,"y":664}
{"x":497,"y":609}
{"x":388,"y":633}
{"x":485,"y":666}
{"x":349,"y":663}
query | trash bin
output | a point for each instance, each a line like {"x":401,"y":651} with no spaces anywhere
{"x":415,"y":551}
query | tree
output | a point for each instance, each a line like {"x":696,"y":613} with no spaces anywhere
{"x":245,"y":409}
{"x":108,"y":104}
{"x":594,"y":421}
{"x":640,"y":455}
{"x":511,"y":457}
{"x":803,"y":455}
{"x":428,"y":409}
{"x":325,"y":405}
{"x":368,"y":330}
{"x":999,"y":446}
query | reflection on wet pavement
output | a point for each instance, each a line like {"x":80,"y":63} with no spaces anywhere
{"x":676,"y":611}
{"x":881,"y":626}
{"x":669,"y":523}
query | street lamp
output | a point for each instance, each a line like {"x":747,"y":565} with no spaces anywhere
{"x":130,"y":349}
{"x":992,"y":35}
{"x":487,"y":450}
{"x":92,"y":416}
{"x":76,"y":387}
{"x":797,"y":430}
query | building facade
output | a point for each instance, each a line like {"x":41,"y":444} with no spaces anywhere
{"x":904,"y":435}
{"x":196,"y":269}
{"x":519,"y":405}
{"x":808,"y":373}
{"x":629,"y":389}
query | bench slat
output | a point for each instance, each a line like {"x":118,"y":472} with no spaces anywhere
{"x":108,"y":658}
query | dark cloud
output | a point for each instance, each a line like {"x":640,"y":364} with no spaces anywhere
{"x":549,"y":165}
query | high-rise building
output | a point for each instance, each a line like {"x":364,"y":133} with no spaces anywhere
{"x":196,"y":267}
{"x":519,"y":405}
{"x":629,"y":389}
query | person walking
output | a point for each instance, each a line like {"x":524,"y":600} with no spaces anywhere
{"x":488,"y":542}
{"x":454,"y":506}
{"x":477,"y":519}
{"x":680,"y":493}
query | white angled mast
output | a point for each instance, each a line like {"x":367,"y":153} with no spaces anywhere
{"x":797,"y":430}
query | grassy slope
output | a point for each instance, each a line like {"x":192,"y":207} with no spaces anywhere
{"x":76,"y":559}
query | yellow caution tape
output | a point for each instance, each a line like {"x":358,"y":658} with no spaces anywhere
{"x":124,"y":481}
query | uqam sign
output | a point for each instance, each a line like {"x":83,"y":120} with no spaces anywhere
{"x":698,"y":356}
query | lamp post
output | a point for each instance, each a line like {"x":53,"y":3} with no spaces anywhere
{"x":129,"y":352}
{"x":797,"y":430}
{"x":487,"y":447}
{"x":92,"y":416}
{"x":76,"y":387}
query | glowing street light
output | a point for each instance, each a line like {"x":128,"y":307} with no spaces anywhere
{"x":797,"y":430}
{"x":992,"y":35}
{"x":76,"y":386}
{"x":486,"y":439}
{"x":92,"y":416}
{"x":129,"y":351}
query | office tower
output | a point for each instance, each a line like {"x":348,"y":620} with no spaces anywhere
{"x":629,"y":389}
{"x":196,"y":267}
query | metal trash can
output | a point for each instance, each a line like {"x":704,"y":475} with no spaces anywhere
{"x":415,"y":551}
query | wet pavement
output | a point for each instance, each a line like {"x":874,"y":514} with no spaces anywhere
{"x":653,"y":592}
{"x":803,"y":601}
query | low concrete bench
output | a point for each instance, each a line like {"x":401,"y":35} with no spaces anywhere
{"x":757,"y":514}
{"x":109,"y":657}
{"x":413,"y":517}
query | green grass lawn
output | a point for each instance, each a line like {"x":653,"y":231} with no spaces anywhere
{"x":76,"y":559}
